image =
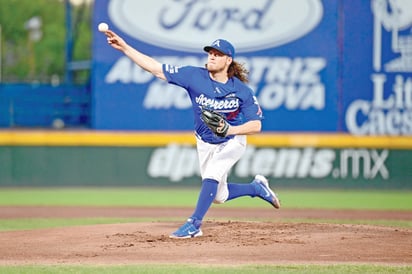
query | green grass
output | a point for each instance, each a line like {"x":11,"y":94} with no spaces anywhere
{"x":181,"y":269}
{"x":98,"y":196}
{"x":179,"y":197}
{"x":349,"y":199}
{"x":38,"y":223}
{"x":323,"y":199}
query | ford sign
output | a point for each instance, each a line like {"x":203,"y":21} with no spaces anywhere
{"x":188,"y":25}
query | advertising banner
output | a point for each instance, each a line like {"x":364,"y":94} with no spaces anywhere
{"x":289,"y":47}
{"x":377,"y":67}
{"x":177,"y":164}
{"x":311,"y":167}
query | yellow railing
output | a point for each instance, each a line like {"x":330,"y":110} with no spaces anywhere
{"x":133,"y":139}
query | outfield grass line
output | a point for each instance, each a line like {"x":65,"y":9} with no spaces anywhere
{"x":166,"y":197}
{"x":46,"y":223}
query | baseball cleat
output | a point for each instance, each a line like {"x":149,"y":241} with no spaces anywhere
{"x":190,"y":229}
{"x":263,"y":190}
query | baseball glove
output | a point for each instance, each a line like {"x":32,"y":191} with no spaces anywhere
{"x":215,"y":121}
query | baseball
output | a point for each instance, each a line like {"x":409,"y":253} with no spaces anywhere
{"x":103,"y":27}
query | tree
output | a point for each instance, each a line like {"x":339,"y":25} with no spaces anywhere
{"x":48,"y":53}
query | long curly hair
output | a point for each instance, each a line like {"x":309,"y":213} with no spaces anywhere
{"x":238,"y":70}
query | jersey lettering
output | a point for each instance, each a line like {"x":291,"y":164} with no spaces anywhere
{"x":225,"y":105}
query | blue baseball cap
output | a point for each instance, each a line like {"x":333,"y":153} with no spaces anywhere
{"x":223,"y":46}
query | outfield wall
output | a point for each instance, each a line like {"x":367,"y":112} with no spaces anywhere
{"x":98,"y":158}
{"x":331,"y":66}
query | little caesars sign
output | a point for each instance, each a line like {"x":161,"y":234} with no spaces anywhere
{"x":389,"y":112}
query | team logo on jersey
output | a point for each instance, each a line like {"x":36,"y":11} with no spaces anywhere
{"x":223,"y":105}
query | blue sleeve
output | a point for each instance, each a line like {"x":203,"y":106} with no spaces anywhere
{"x":251,"y":109}
{"x":179,"y":76}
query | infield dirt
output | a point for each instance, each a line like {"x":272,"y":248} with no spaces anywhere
{"x":232,"y":236}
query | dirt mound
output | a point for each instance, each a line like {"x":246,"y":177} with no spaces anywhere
{"x":224,"y":242}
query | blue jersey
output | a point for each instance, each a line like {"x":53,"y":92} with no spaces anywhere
{"x":234,"y":99}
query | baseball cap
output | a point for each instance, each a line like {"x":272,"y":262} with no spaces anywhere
{"x":223,"y":46}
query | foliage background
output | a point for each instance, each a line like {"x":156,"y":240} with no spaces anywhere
{"x":47,"y":59}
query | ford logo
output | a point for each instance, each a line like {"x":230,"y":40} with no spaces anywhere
{"x":188,"y":25}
